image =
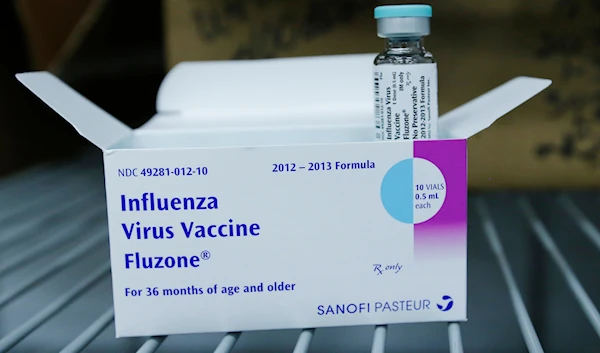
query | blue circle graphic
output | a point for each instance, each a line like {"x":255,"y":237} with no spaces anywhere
{"x":397,"y":191}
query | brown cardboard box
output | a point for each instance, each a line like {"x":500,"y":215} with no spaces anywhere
{"x":551,"y":141}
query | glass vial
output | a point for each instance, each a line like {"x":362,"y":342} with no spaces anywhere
{"x":405,"y":75}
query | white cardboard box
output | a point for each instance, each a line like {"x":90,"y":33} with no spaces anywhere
{"x":268,"y":205}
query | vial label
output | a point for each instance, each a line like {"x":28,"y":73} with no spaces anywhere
{"x":406,"y":105}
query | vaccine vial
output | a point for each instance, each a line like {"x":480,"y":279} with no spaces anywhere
{"x":405,"y":75}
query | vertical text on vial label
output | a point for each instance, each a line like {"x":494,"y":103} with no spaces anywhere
{"x":406,"y":101}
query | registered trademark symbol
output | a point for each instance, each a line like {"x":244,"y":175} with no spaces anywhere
{"x":205,"y":255}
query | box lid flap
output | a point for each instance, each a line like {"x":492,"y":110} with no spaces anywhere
{"x":316,"y":90}
{"x":90,"y":121}
{"x":308,"y":92}
{"x":481,"y":112}
{"x":274,"y":91}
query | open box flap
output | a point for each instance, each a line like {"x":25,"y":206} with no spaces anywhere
{"x":90,"y":121}
{"x":481,"y":112}
{"x":309,"y":92}
{"x":319,"y":89}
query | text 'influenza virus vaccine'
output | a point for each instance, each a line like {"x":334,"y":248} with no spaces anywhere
{"x":405,"y":75}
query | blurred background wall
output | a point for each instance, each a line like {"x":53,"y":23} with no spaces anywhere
{"x":116,"y":53}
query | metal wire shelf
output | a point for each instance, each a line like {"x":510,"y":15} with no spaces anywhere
{"x":54,"y":273}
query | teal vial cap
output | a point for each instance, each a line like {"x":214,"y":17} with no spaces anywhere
{"x":389,"y":11}
{"x":402,"y":20}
